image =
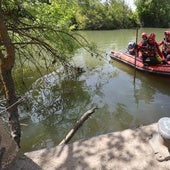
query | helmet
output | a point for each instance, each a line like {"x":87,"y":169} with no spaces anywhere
{"x":144,"y":35}
{"x":151,"y":36}
{"x":167,"y":32}
{"x":131,"y":45}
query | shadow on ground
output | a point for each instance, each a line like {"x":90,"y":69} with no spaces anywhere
{"x":125,"y":150}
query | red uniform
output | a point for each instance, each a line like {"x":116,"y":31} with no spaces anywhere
{"x":166,"y":44}
{"x":150,"y":51}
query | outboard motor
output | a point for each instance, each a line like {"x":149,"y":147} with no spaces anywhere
{"x":131,"y":47}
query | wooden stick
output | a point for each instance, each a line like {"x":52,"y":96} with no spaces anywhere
{"x":136,"y":53}
{"x":77,"y":125}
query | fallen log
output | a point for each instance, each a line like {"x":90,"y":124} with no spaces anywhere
{"x":78,"y":124}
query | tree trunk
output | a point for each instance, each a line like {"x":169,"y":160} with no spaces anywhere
{"x":7,"y":60}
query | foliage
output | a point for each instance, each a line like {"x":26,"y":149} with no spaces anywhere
{"x":42,"y":28}
{"x":95,"y":15}
{"x":153,"y":13}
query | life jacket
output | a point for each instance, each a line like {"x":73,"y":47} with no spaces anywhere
{"x":144,"y":42}
{"x":166,"y":47}
{"x":149,"y":50}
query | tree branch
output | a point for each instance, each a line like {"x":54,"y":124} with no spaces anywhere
{"x":78,"y":124}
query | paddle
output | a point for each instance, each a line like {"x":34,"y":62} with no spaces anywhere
{"x":136,"y":53}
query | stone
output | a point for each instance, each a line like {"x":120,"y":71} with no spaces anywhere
{"x":9,"y":150}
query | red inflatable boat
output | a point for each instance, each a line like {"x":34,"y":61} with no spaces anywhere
{"x":137,"y":63}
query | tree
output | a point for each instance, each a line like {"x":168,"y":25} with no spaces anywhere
{"x":152,"y":13}
{"x":111,"y":14}
{"x":6,"y":65}
{"x":28,"y":28}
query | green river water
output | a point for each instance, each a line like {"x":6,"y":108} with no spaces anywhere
{"x":52,"y":109}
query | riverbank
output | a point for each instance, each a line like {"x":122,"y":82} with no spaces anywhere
{"x":124,"y":150}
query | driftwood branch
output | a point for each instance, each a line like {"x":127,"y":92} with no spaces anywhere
{"x":78,"y":124}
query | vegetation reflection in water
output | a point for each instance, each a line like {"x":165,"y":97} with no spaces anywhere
{"x":58,"y":101}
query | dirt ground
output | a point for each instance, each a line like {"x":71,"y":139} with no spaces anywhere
{"x":124,"y":150}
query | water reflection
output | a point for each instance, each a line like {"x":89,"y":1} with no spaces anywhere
{"x":124,"y":119}
{"x":151,"y":94}
{"x":57,"y":102}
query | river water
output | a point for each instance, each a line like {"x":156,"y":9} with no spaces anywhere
{"x":52,"y":109}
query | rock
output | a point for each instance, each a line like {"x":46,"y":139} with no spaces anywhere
{"x":9,"y":150}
